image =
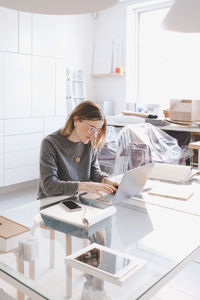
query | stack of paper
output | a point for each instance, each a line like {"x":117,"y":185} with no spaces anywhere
{"x":174,"y":173}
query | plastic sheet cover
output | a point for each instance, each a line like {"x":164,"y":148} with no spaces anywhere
{"x":107,"y":156}
{"x":137,"y":144}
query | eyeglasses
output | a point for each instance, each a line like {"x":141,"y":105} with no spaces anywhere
{"x":91,"y":129}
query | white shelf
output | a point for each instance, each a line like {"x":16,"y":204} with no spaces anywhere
{"x":109,"y":75}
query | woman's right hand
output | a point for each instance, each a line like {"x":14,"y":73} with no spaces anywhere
{"x":95,"y":187}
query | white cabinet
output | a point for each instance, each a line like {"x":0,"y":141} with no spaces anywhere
{"x":22,"y":142}
{"x":33,"y":53}
{"x":22,"y":146}
{"x":21,"y":158}
{"x":21,"y":174}
{"x":25,"y":33}
{"x":17,"y":83}
{"x":23,"y":126}
{"x":1,"y":153}
{"x":43,"y":86}
{"x":1,"y":87}
{"x":8,"y":30}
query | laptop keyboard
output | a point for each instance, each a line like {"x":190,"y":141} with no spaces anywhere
{"x":108,"y":198}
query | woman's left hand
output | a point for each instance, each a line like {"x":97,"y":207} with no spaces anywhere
{"x":111,"y":182}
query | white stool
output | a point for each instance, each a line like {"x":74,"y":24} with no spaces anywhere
{"x":38,"y":222}
{"x":12,"y":234}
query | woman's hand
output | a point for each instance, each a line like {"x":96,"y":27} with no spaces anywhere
{"x":96,"y":187}
{"x":111,"y":182}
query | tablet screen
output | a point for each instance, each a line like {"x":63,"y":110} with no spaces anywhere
{"x":103,"y":260}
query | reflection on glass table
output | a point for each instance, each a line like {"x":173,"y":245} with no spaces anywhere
{"x":166,"y":239}
{"x":180,"y":197}
{"x":105,"y":263}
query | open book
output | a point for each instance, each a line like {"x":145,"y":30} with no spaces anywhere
{"x":85,"y":217}
{"x":174,"y":173}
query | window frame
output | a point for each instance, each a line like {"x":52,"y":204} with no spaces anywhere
{"x":133,"y":48}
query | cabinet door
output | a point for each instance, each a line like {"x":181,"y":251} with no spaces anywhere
{"x":21,"y":158}
{"x":23,"y":142}
{"x":50,"y":35}
{"x":21,"y":174}
{"x":22,"y":146}
{"x":23,"y":126}
{"x":1,"y":153}
{"x":1,"y":87}
{"x":25,"y":32}
{"x":43,"y":95}
{"x":17,"y":85}
{"x":8,"y":30}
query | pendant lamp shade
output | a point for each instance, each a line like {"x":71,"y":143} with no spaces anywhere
{"x":183,"y":16}
{"x":58,"y":7}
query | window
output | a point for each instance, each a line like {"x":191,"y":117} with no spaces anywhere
{"x":167,"y":64}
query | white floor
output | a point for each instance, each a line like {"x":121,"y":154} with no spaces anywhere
{"x":185,"y":286}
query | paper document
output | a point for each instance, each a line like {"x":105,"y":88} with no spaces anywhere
{"x":88,"y":216}
{"x":178,"y":192}
{"x":174,"y":173}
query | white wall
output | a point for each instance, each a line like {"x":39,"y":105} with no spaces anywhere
{"x":111,"y":26}
{"x":34,"y":52}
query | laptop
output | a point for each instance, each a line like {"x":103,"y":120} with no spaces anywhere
{"x":132,"y":183}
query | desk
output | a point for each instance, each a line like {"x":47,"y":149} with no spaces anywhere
{"x":194,"y":135}
{"x":194,"y":130}
{"x":167,"y":239}
{"x":175,"y":127}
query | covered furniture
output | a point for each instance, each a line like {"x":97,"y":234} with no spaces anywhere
{"x":138,"y":144}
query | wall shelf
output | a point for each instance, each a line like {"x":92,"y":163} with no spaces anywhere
{"x":109,"y":75}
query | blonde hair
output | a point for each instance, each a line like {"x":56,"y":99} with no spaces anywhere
{"x":87,"y":110}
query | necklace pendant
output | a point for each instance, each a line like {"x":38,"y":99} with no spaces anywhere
{"x":77,"y":159}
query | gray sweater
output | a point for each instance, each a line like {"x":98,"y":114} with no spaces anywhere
{"x":64,"y":163}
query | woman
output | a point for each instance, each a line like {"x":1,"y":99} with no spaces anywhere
{"x":68,"y":158}
{"x":69,"y":165}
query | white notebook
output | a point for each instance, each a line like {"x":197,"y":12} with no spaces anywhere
{"x":85,"y":217}
{"x":174,"y":173}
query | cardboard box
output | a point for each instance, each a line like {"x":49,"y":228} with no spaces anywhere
{"x":185,"y":110}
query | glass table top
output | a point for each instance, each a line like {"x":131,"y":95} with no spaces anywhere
{"x":163,"y":237}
